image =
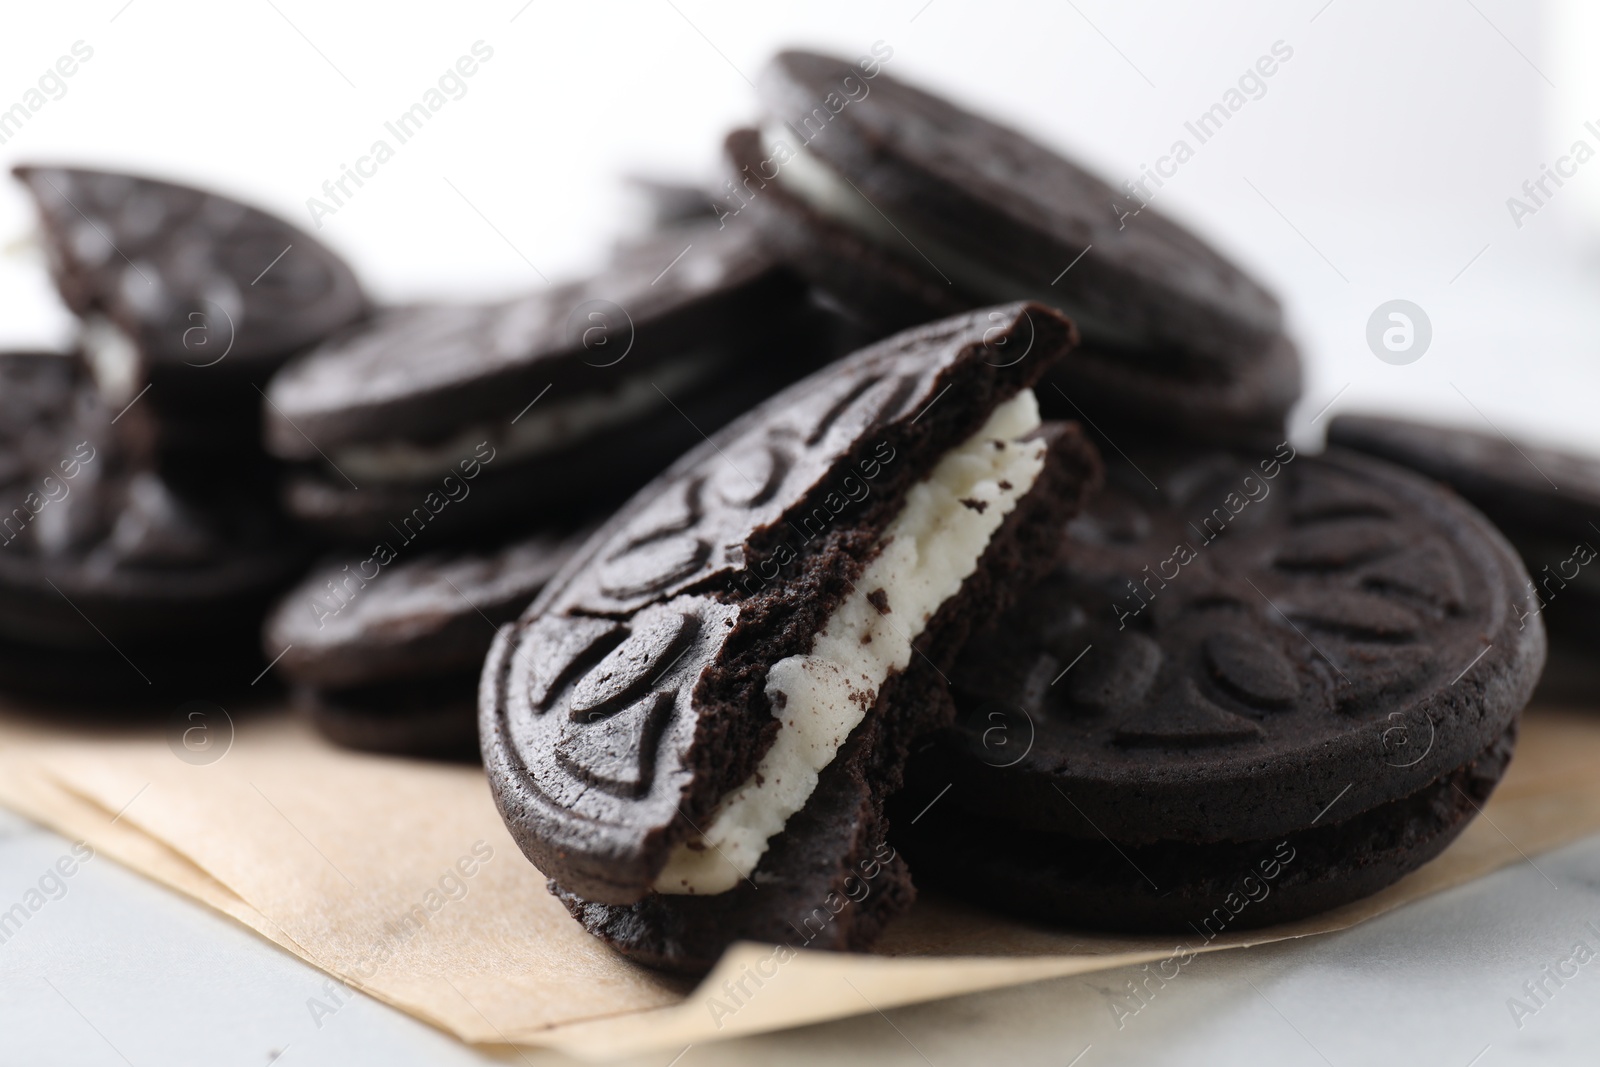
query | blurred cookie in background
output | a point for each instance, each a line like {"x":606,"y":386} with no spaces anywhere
{"x":541,"y":409}
{"x":1546,"y":501}
{"x":657,"y":204}
{"x":190,"y":295}
{"x":113,"y":583}
{"x":906,"y":207}
{"x":385,"y":649}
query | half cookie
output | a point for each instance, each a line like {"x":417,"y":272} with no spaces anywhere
{"x":1257,"y":687}
{"x":905,"y":206}
{"x":693,"y":730}
{"x":194,"y":294}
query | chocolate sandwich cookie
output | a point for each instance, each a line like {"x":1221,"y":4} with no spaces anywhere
{"x":1547,"y":503}
{"x":693,"y":730}
{"x":544,"y":406}
{"x":194,"y":294}
{"x":906,"y":207}
{"x":1255,"y":688}
{"x":111,"y":582}
{"x":665,"y":208}
{"x":664,"y":205}
{"x":385,"y":651}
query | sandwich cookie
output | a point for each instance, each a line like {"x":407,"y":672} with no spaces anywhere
{"x":658,"y":204}
{"x":385,"y":652}
{"x":195,"y":295}
{"x":1546,"y":502}
{"x":905,"y":207}
{"x":111,"y":582}
{"x":1256,"y":687}
{"x":693,"y":730}
{"x":540,"y":407}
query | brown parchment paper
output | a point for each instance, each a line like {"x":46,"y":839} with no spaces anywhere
{"x":398,"y":878}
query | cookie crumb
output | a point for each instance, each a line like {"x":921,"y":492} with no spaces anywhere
{"x":866,"y":639}
{"x":975,"y":504}
{"x":1005,"y":487}
{"x":880,"y":600}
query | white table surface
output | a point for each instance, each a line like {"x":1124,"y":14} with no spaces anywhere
{"x":122,"y":971}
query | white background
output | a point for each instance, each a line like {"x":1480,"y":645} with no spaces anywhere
{"x":1377,"y":165}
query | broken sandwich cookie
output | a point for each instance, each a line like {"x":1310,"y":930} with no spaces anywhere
{"x":693,"y":730}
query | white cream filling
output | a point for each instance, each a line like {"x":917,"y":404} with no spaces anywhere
{"x":929,"y":549}
{"x":811,"y":180}
{"x":113,"y":358}
{"x":548,"y":425}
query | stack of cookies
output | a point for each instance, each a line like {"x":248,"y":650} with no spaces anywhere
{"x":454,"y":448}
{"x":1027,"y":598}
{"x":899,"y":628}
{"x":239,"y":407}
{"x":143,"y":539}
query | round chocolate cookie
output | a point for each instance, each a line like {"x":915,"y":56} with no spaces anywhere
{"x":435,"y":718}
{"x":1546,"y":502}
{"x":1117,"y":392}
{"x":664,"y":205}
{"x":1304,"y":671}
{"x":717,"y":693}
{"x":195,"y":294}
{"x":561,"y":400}
{"x":906,"y":206}
{"x":116,"y":581}
{"x":41,"y":393}
{"x":385,"y":651}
